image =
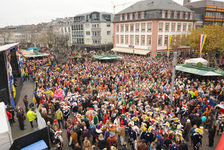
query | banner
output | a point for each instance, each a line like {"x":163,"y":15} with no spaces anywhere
{"x":202,"y":38}
{"x":169,"y":39}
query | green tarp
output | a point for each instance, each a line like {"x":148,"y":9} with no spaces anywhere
{"x":202,"y":71}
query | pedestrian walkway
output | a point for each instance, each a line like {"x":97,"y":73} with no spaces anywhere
{"x":27,"y":89}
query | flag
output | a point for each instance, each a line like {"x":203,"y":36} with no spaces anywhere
{"x":169,"y":38}
{"x":202,"y":38}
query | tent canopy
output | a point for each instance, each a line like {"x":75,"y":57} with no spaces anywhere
{"x":106,"y":57}
{"x":7,"y":46}
{"x":202,"y":71}
{"x":35,"y":55}
{"x":196,"y":61}
{"x":131,"y":51}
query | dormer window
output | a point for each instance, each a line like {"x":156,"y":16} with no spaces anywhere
{"x":184,"y":15}
{"x":178,"y":15}
{"x":133,"y":16}
{"x":123,"y":17}
{"x":166,"y":14}
{"x":139,"y":15}
{"x":128,"y":16}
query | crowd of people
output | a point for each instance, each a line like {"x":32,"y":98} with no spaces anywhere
{"x":124,"y":104}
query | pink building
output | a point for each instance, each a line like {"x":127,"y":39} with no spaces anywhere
{"x":143,"y":27}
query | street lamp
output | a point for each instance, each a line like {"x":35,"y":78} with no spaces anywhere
{"x":132,"y":46}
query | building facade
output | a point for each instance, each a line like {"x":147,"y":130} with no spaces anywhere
{"x":92,"y":29}
{"x":212,"y":12}
{"x":143,"y":27}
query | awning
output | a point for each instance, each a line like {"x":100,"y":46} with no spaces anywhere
{"x":131,"y":51}
{"x":106,"y":57}
{"x":35,"y":55}
{"x":202,"y":71}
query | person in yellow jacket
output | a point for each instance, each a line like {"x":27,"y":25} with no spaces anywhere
{"x":31,"y":115}
{"x":60,"y":118}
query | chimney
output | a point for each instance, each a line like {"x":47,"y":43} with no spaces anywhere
{"x":186,"y":2}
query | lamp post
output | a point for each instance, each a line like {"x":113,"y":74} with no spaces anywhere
{"x":173,"y":74}
{"x":132,"y":46}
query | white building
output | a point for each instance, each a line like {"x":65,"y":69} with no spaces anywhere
{"x":143,"y":27}
{"x":92,"y":29}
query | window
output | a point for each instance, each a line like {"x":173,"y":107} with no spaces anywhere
{"x":117,"y":28}
{"x":131,"y":39}
{"x":166,"y":14}
{"x":149,"y":27}
{"x":107,"y":17}
{"x":108,"y":32}
{"x":167,"y":27}
{"x":123,"y":17}
{"x":184,"y":27}
{"x":143,"y":27}
{"x":137,"y":27}
{"x":173,"y":27}
{"x":149,"y":40}
{"x":122,"y":28}
{"x":160,"y":38}
{"x":95,"y":16}
{"x":160,"y":27}
{"x":126,"y":39}
{"x":136,"y":40}
{"x":165,"y":40}
{"x":117,"y":39}
{"x":96,"y":33}
{"x":122,"y":39}
{"x":133,"y":16}
{"x":87,"y":32}
{"x":184,"y":15}
{"x":128,"y":16}
{"x":132,"y":27}
{"x":179,"y":27}
{"x":178,"y":15}
{"x":108,"y":25}
{"x":143,"y":40}
{"x":126,"y":28}
{"x":189,"y":27}
{"x":139,"y":15}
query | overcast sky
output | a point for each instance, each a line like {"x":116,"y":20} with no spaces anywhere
{"x":16,"y":12}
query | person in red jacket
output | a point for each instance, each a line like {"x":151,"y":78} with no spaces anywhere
{"x":9,"y":115}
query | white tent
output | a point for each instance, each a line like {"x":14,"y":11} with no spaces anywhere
{"x":195,"y":61}
{"x":5,"y":129}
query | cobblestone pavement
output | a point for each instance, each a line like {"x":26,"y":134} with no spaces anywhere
{"x":28,"y":88}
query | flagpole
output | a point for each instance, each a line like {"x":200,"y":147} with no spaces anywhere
{"x":173,"y":75}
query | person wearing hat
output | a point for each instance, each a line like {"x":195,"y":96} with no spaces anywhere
{"x":58,"y":139}
{"x":101,"y":142}
{"x":122,"y":133}
{"x":187,"y":129}
{"x":112,"y":141}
